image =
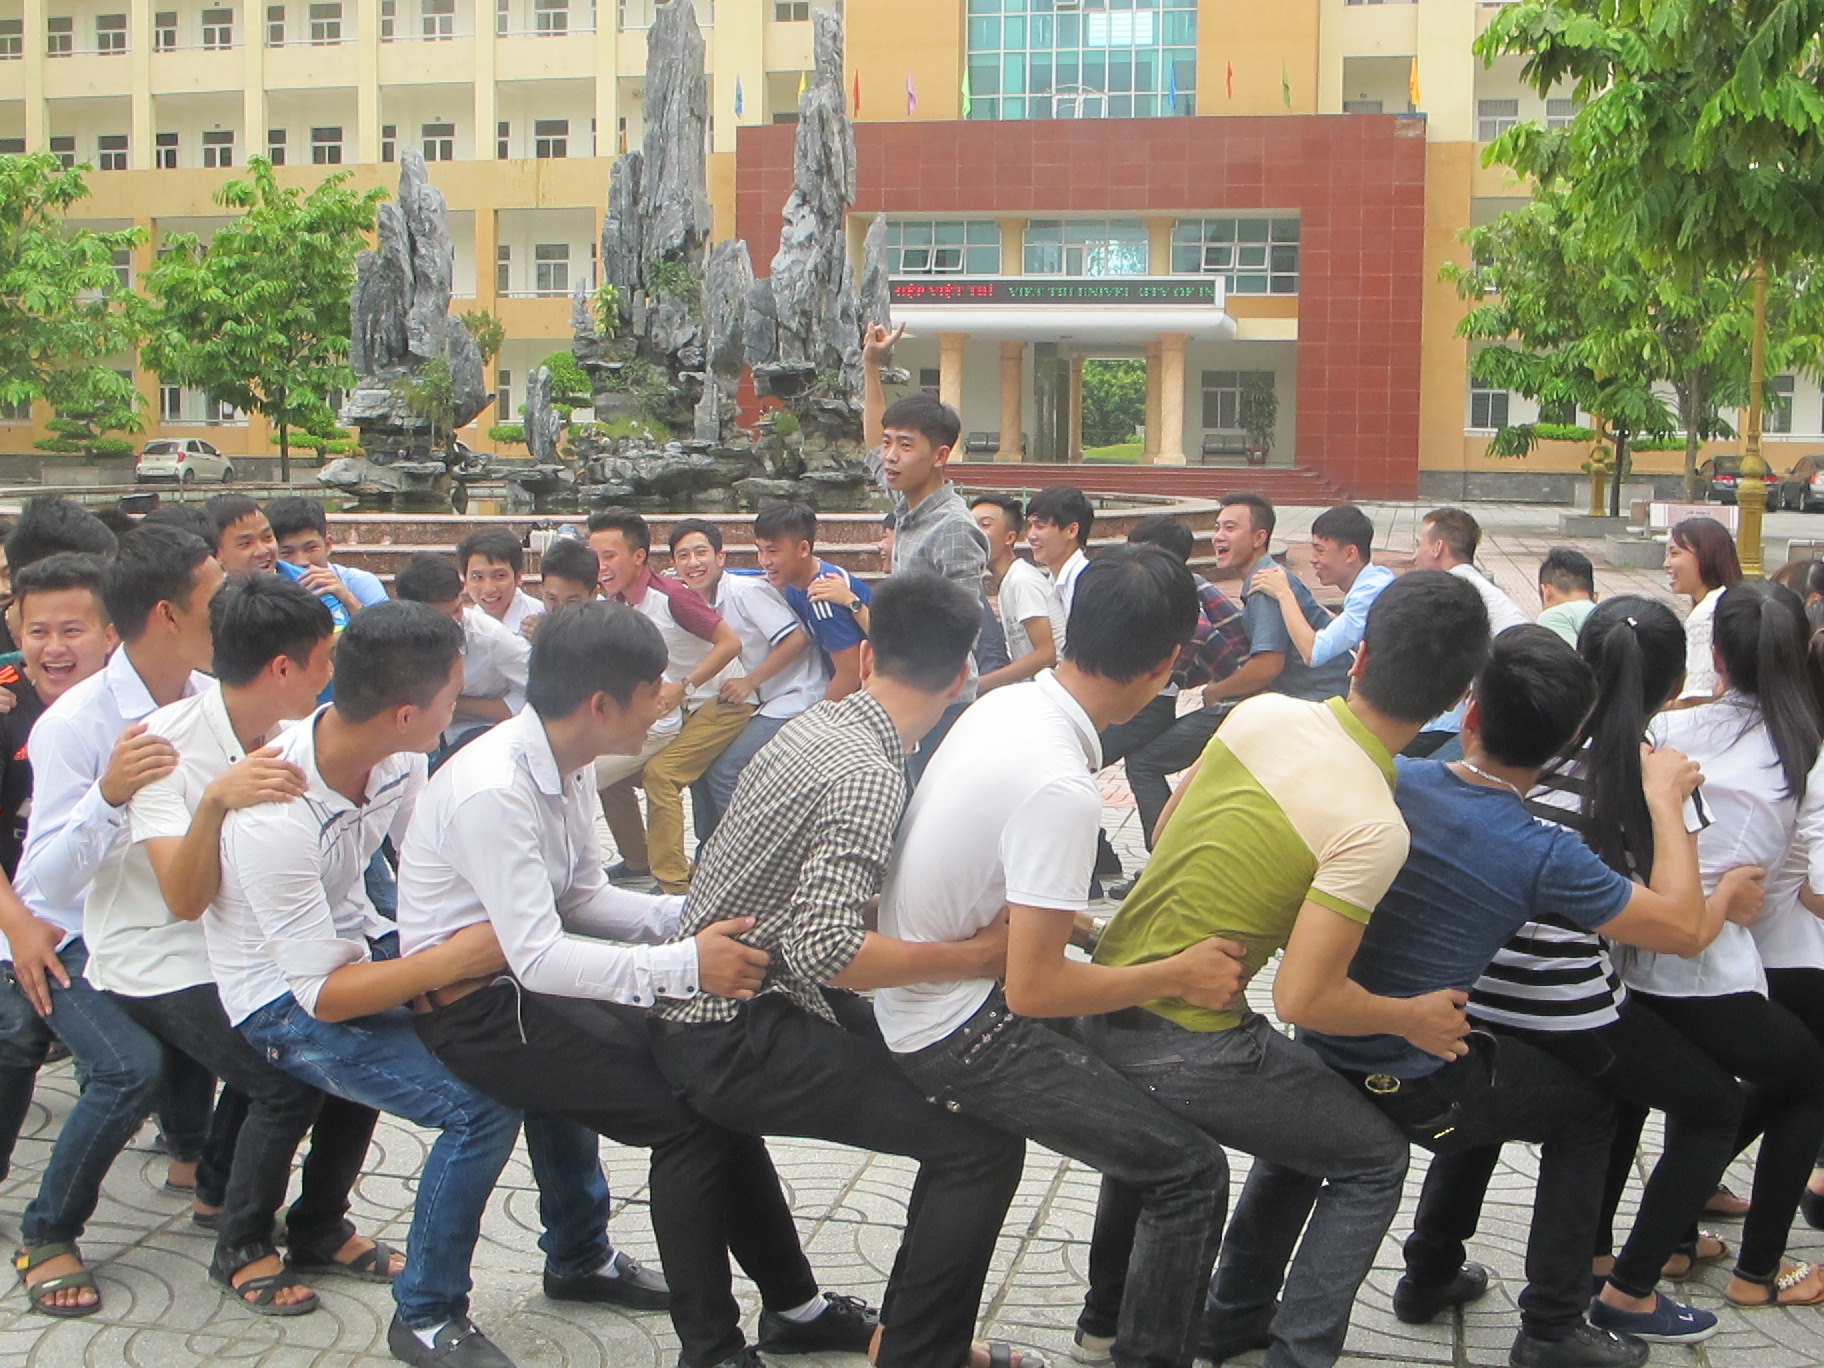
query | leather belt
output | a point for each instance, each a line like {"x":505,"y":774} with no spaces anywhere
{"x":427,"y":1002}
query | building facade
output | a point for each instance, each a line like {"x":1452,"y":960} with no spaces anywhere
{"x":1246,"y":194}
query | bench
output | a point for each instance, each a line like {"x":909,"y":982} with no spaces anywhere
{"x":978,"y":443}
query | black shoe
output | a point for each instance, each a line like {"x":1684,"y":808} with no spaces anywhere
{"x":1811,"y":1207}
{"x":1584,"y":1347}
{"x":1218,"y":1345}
{"x":631,"y":1286}
{"x":1416,"y":1304}
{"x":1108,"y":864}
{"x":1118,"y":891}
{"x":846,"y":1326}
{"x":456,"y":1345}
{"x":748,"y":1357}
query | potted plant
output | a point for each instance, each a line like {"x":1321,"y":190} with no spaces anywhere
{"x":1258,"y":412}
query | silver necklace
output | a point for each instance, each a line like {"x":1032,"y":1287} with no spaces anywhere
{"x":1481,"y":773}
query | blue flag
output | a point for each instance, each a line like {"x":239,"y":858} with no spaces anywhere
{"x":738,"y":100}
{"x":1171,"y":88}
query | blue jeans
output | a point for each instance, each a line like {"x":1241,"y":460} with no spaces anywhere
{"x":378,"y":1062}
{"x":722,"y":776}
{"x":572,"y":1195}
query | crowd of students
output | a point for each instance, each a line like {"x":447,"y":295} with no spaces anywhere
{"x":284,"y":852}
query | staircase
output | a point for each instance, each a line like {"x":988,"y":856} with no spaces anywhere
{"x":1283,"y":485}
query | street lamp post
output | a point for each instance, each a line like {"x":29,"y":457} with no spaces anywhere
{"x":1751,"y":483}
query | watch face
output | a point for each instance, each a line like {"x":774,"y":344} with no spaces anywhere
{"x":854,"y":605}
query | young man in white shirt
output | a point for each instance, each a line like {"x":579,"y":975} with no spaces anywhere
{"x":1022,"y":837}
{"x":1058,"y":521}
{"x":1032,"y":614}
{"x":244,"y":542}
{"x":493,"y":658}
{"x":491,"y":561}
{"x":567,"y":573}
{"x":305,"y":988}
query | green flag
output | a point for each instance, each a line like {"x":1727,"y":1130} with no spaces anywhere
{"x":967,"y":102}
{"x":1285,"y":85}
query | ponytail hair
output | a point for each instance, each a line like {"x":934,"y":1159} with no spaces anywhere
{"x":1636,"y":648}
{"x":1762,"y":635}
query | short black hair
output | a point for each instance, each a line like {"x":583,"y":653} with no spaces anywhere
{"x":1533,"y":695}
{"x":64,"y":570}
{"x":570,"y":559}
{"x":225,"y":510}
{"x":926,"y":415}
{"x":1135,"y":606}
{"x":185,"y":517}
{"x":922,"y":628}
{"x":393,"y":655}
{"x":1062,"y":505}
{"x":786,"y":522}
{"x":259,"y":618}
{"x":1346,"y":525}
{"x":51,"y":523}
{"x":1426,"y":636}
{"x":294,"y":514}
{"x":629,"y":524}
{"x":428,"y":578}
{"x":116,"y":519}
{"x":1011,"y":508}
{"x":682,"y":529}
{"x":1260,"y":509}
{"x":491,"y":544}
{"x":588,"y":648}
{"x":154,"y":565}
{"x":1568,"y":571}
{"x":1456,"y":529}
{"x":1164,"y":531}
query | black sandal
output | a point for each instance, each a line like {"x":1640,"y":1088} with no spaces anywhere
{"x":39,"y":1292}
{"x":1696,"y":1261}
{"x":372,"y":1265}
{"x":1771,"y":1287}
{"x":258,"y":1294}
{"x":1000,"y":1355}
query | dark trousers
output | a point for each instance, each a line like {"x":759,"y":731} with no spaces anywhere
{"x":713,"y":1192}
{"x":1507,"y":1090}
{"x":1781,"y":1065}
{"x":1122,"y":740}
{"x":778,"y":1070}
{"x":1035,"y":1080}
{"x":1174,"y":749}
{"x":1643,"y":1064}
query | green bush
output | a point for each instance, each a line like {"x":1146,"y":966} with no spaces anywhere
{"x":673,"y":279}
{"x":1563,"y":432}
{"x":507,"y":434}
{"x":783,"y":422}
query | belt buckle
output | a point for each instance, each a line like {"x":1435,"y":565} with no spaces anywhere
{"x":1381,"y":1084}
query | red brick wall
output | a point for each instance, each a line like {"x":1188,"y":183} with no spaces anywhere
{"x":1357,"y":182}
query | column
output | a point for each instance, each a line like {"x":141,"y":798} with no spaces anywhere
{"x":1013,"y":356}
{"x":1073,"y":437}
{"x":37,"y":115}
{"x":1150,"y":448}
{"x":367,"y":82}
{"x":1013,"y":246}
{"x":139,"y":53}
{"x":1170,"y":447}
{"x":484,"y":111}
{"x":950,"y":368}
{"x":252,"y":30}
{"x":1159,"y":243}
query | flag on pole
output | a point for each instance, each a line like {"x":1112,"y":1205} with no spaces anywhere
{"x":967,"y":102}
{"x":1231,"y":79}
{"x":911,"y":96}
{"x":738,"y":101}
{"x":1171,"y":88}
{"x":1412,"y":84}
{"x":1285,"y":85}
{"x":857,"y":98}
{"x":804,"y":83}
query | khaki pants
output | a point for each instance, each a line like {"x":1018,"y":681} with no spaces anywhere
{"x":616,"y":777}
{"x":706,"y":733}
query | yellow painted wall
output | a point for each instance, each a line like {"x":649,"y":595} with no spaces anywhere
{"x":1260,"y":38}
{"x":887,"y":39}
{"x":1443,"y":377}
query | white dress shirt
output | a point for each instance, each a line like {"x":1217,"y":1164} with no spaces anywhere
{"x":1066,"y":581}
{"x":520,"y":607}
{"x":73,"y":828}
{"x":762,"y":618}
{"x":501,"y":836}
{"x":493,"y":666}
{"x":292,"y":875}
{"x":1700,"y":664}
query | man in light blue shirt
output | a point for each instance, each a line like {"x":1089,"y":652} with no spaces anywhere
{"x":1342,"y":541}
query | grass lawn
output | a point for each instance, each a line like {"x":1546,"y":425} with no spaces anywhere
{"x":1122,"y":453}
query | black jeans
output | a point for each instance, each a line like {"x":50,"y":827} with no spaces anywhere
{"x":1177,"y":748}
{"x":1643,"y":1064}
{"x":1035,"y":1080}
{"x":778,"y":1070}
{"x":713,"y":1192}
{"x":1507,"y":1090}
{"x":1781,"y":1064}
{"x":317,"y":1223}
{"x":279,"y":1109}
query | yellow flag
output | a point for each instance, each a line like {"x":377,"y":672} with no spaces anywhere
{"x":804,"y":83}
{"x":1412,"y":84}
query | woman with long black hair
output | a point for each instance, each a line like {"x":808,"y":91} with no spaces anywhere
{"x":1758,"y":745}
{"x":1700,"y":564}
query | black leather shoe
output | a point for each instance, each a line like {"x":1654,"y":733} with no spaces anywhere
{"x":846,"y":1326}
{"x":1584,"y":1347}
{"x":631,"y":1286}
{"x":1417,"y":1304}
{"x":456,"y":1345}
{"x":1219,"y":1348}
{"x":747,"y":1358}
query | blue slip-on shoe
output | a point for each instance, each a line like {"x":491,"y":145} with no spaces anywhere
{"x":1669,"y":1322}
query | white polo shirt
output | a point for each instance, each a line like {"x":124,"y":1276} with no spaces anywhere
{"x":520,"y":607}
{"x":493,"y":666}
{"x":976,"y":838}
{"x":292,"y":872}
{"x":687,"y":623}
{"x":500,"y":835}
{"x":1027,"y":592}
{"x":762,"y":619}
{"x":1066,"y":584}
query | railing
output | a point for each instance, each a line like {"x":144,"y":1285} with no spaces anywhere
{"x":429,"y":37}
{"x":520,"y":31}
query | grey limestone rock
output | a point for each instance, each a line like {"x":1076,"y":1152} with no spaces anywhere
{"x":876,"y":287}
{"x":543,"y":423}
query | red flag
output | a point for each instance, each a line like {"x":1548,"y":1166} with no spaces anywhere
{"x":1231,"y":80}
{"x":857,"y":113}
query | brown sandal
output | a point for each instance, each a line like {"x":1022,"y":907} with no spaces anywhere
{"x":1784,"y":1281}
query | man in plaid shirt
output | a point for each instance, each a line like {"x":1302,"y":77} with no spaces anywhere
{"x":803,"y":850}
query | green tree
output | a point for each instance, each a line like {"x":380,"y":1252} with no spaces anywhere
{"x":62,"y":313}
{"x":259,"y":317}
{"x":569,"y":383}
{"x":429,"y":395}
{"x":489,"y":332}
{"x":1114,"y":400}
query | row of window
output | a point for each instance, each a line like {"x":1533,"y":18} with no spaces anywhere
{"x":1495,"y":117}
{"x":1489,"y":408}
{"x":175,"y":405}
{"x":1081,"y":59}
{"x":324,"y":146}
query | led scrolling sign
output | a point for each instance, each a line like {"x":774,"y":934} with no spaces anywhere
{"x":1028,"y":290}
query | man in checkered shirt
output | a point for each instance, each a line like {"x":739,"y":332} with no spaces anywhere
{"x":803,"y":849}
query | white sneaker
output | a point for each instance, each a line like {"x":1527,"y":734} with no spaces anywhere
{"x":1093,"y":1349}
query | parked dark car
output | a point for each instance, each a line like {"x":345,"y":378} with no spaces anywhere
{"x":1720,"y":473}
{"x":1802,"y":487}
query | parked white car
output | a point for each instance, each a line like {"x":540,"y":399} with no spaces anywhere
{"x":184,"y":460}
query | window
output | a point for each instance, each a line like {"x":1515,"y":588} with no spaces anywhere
{"x":12,"y":147}
{"x":551,"y":138}
{"x":438,"y":18}
{"x":12,"y":39}
{"x":110,"y":33}
{"x":388,"y":15}
{"x":326,"y":22}
{"x":1222,"y":397}
{"x":439,"y":142}
{"x":502,"y":14}
{"x":111,"y":152}
{"x":1487,"y":408}
{"x":326,"y":146}
{"x":1495,"y":117}
{"x":275,"y":26}
{"x":930,"y":380}
{"x":275,"y":146}
{"x":1559,"y":113}
{"x":944,"y":247}
{"x":19,"y":412}
{"x":218,"y":31}
{"x":503,"y":395}
{"x":503,"y":269}
{"x":123,"y":263}
{"x":503,"y":136}
{"x":218,"y":147}
{"x":170,"y":403}
{"x":1776,"y":405}
{"x":389,"y":142}
{"x":1085,"y":247}
{"x":1117,"y":59}
{"x":164,"y":31}
{"x":551,"y":16}
{"x":551,"y":268}
{"x":1362,"y":106}
{"x":1252,"y":255}
{"x":60,"y":36}
{"x":65,"y":151}
{"x":791,"y":11}
{"x":164,"y":152}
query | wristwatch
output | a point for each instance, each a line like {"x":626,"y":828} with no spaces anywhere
{"x":855,"y":605}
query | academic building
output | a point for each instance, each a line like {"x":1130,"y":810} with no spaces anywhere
{"x":1250,"y":195}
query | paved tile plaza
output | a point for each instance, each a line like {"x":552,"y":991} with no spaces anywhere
{"x":160,"y":1310}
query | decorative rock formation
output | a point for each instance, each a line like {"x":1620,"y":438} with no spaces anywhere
{"x":727,"y":282}
{"x":543,"y":423}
